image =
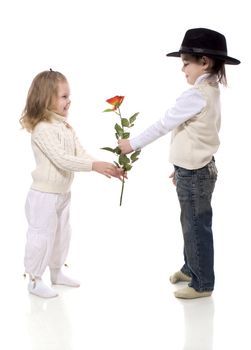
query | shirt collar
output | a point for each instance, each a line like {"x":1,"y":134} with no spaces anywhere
{"x":207,"y":76}
{"x":201,"y":78}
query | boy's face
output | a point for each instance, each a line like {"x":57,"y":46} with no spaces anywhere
{"x":193,"y":68}
{"x":61,"y":102}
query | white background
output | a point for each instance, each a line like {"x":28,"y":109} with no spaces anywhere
{"x":124,"y":255}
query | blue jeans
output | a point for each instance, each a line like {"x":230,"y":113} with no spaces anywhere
{"x":195,"y":189}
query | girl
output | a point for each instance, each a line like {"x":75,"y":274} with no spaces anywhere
{"x":195,"y":124}
{"x":58,"y":154}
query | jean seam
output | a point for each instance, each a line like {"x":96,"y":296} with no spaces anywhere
{"x":195,"y":226}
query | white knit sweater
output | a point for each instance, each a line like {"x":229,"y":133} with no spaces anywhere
{"x":58,"y":154}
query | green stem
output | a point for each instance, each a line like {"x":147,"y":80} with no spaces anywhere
{"x":123,"y":180}
{"x":120,"y":116}
{"x":122,"y":190}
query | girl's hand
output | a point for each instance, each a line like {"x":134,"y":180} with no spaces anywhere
{"x":125,"y":146}
{"x":119,"y":173}
{"x":107,"y":169}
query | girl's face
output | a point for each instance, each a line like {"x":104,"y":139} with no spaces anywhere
{"x":61,"y":102}
{"x":193,"y":68}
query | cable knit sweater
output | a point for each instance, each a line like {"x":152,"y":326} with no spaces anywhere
{"x":58,"y":154}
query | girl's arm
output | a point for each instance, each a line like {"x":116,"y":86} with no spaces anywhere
{"x":47,"y":142}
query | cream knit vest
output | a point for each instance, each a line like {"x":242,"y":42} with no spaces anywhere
{"x":58,"y":154}
{"x":194,"y":142}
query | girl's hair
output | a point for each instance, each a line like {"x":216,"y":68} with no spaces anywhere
{"x":43,"y":89}
{"x":217,"y":67}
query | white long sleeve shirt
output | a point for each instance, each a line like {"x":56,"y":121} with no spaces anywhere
{"x":195,"y":123}
{"x":190,"y":103}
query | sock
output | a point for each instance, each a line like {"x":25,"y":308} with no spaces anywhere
{"x":57,"y":277}
{"x":39,"y":288}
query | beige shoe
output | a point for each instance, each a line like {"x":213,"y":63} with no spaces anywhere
{"x":179,"y":277}
{"x":191,"y":293}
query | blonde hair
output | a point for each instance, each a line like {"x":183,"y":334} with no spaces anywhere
{"x":43,"y":89}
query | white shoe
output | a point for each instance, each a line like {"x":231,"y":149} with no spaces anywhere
{"x":37,"y":287}
{"x":57,"y":277}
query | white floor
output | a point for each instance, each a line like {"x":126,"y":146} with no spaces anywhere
{"x":133,"y":309}
{"x":123,"y":257}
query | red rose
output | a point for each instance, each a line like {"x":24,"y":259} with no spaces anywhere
{"x":115,"y":101}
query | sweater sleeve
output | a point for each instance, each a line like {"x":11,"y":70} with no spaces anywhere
{"x":47,"y":141}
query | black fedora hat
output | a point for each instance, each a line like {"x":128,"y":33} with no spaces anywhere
{"x":203,"y":41}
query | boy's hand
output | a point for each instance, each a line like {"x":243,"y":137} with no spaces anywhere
{"x":125,"y":146}
{"x":172,"y":176}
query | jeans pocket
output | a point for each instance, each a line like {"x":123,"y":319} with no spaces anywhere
{"x":182,"y":172}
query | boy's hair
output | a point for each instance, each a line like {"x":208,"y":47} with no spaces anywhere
{"x":43,"y":89}
{"x":217,"y":68}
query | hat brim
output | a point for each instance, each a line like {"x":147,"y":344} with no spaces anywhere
{"x":226,"y":59}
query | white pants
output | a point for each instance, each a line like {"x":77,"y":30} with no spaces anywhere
{"x":49,"y":231}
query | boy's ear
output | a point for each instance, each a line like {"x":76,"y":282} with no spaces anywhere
{"x":204,"y":60}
